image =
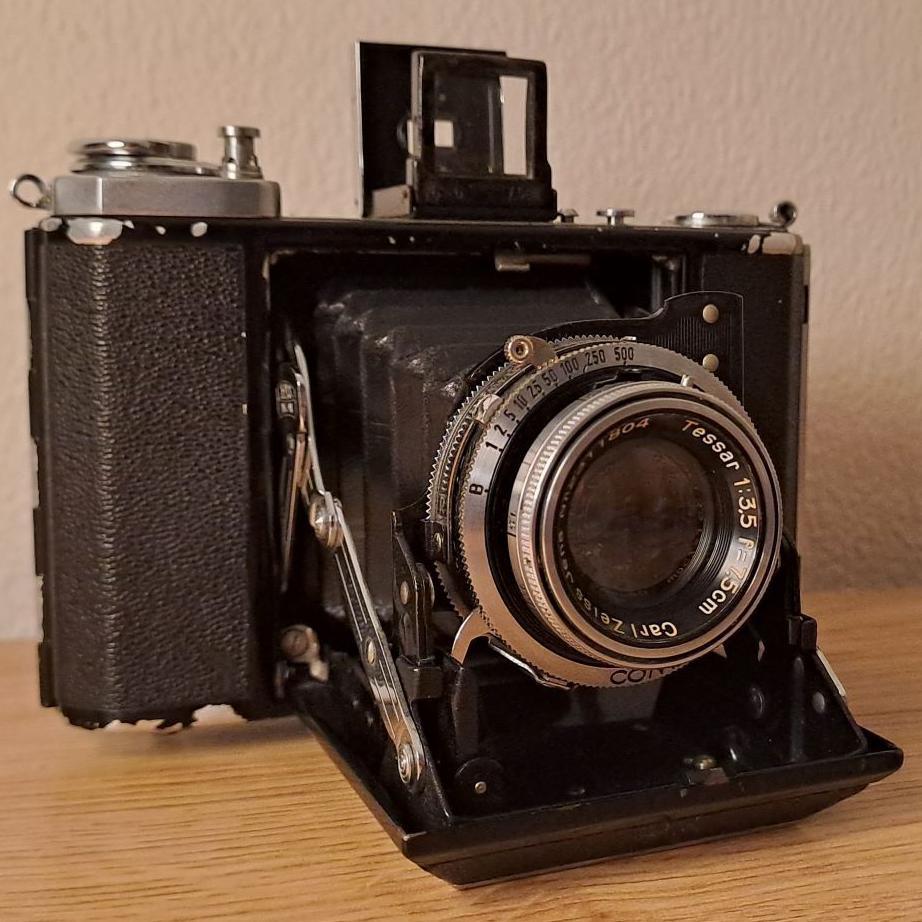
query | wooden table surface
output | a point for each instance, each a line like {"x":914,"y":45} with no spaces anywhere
{"x":251,"y":821}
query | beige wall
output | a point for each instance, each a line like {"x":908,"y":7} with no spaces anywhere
{"x":659,"y":106}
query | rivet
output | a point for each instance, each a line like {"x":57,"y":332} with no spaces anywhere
{"x":370,"y":653}
{"x":710,"y":362}
{"x":710,"y":313}
{"x":405,"y":763}
{"x":404,"y":592}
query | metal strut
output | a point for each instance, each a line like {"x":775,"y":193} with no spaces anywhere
{"x":302,"y":476}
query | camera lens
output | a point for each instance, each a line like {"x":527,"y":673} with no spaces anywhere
{"x":639,"y":512}
{"x":641,"y":517}
{"x":609,"y":513}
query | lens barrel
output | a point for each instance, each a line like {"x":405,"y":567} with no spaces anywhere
{"x":655,"y":565}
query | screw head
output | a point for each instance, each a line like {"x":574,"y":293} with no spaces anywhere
{"x":294,"y":642}
{"x":405,"y":763}
{"x":404,"y":592}
{"x":756,"y":702}
{"x":819,"y":702}
{"x":703,"y":762}
{"x":321,"y":514}
{"x":518,"y":348}
{"x":710,"y":362}
{"x":480,"y":787}
{"x":319,"y":519}
{"x":371,"y":654}
{"x":710,"y":313}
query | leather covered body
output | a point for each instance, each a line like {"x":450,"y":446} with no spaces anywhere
{"x":139,"y":392}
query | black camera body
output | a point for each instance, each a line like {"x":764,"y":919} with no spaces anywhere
{"x":439,"y":382}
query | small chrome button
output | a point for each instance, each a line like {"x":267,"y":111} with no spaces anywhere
{"x":616,"y":217}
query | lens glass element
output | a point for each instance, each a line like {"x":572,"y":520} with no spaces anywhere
{"x":637,"y":516}
{"x":653,"y":528}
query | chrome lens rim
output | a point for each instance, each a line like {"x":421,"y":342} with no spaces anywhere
{"x":537,"y":492}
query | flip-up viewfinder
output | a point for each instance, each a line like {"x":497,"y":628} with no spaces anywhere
{"x":449,"y":133}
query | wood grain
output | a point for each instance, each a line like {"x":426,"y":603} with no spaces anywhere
{"x":238,"y":821}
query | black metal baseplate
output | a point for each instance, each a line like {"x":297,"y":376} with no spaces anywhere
{"x":522,"y":778}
